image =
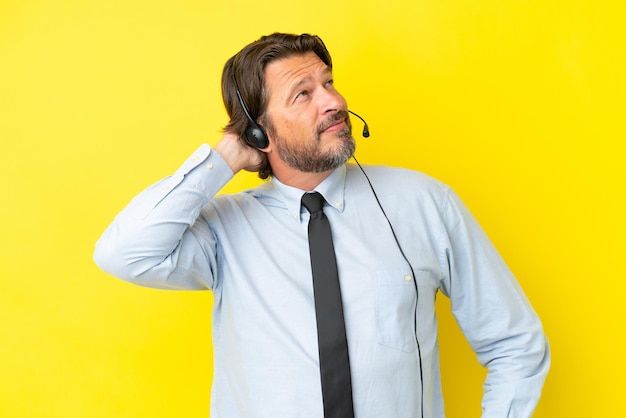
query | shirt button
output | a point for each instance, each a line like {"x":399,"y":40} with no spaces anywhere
{"x":407,"y":277}
{"x":209,"y":166}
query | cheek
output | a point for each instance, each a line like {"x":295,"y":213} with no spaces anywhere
{"x":299,"y":127}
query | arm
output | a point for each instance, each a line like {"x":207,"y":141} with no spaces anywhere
{"x":158,"y":240}
{"x":496,"y":318}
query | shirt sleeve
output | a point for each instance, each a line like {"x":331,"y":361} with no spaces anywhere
{"x":159,"y":239}
{"x":495,"y":316}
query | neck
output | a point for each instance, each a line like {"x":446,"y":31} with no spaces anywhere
{"x":301,"y":180}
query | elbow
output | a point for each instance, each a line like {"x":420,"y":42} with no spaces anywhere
{"x":110,"y":261}
{"x":535,"y":354}
{"x":525,"y":353}
{"x":544,"y":358}
{"x":116,"y":259}
{"x":127,"y":265}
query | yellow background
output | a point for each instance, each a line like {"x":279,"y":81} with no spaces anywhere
{"x":518,"y":105}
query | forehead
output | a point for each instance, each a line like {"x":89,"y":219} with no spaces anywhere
{"x":281,"y":76}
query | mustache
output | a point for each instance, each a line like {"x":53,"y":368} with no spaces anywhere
{"x":339,"y":115}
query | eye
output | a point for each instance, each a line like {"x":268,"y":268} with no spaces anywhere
{"x":330,"y":83}
{"x":302,"y":94}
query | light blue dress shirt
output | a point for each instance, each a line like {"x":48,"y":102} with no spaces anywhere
{"x":251,"y":250}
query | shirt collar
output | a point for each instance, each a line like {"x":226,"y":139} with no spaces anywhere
{"x":332,"y":188}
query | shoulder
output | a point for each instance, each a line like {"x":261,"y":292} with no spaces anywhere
{"x":247,"y":200}
{"x":410,"y":184}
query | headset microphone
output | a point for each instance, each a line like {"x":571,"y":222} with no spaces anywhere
{"x":366,"y":131}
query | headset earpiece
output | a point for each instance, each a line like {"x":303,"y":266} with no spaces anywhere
{"x":255,"y":134}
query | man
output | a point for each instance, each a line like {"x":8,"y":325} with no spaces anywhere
{"x":251,"y":249}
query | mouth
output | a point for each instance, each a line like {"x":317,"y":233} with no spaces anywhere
{"x":336,"y":126}
{"x":335,"y":123}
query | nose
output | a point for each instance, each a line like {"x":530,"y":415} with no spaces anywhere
{"x":331,"y":101}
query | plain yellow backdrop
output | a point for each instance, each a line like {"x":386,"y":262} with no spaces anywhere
{"x":518,"y":105}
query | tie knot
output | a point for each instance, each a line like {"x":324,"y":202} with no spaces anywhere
{"x":313,"y":202}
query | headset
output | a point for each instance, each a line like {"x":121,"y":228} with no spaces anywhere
{"x":256,"y":137}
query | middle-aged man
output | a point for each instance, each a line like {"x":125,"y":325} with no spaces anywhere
{"x":285,"y":345}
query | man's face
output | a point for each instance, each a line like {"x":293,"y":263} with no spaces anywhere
{"x":306,"y":118}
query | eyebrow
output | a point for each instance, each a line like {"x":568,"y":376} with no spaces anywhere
{"x":307,"y":79}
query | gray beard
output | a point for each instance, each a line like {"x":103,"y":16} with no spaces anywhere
{"x":309,"y":159}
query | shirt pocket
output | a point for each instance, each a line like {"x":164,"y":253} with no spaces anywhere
{"x":396,"y":299}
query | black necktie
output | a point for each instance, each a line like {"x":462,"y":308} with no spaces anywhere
{"x":331,"y":330}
